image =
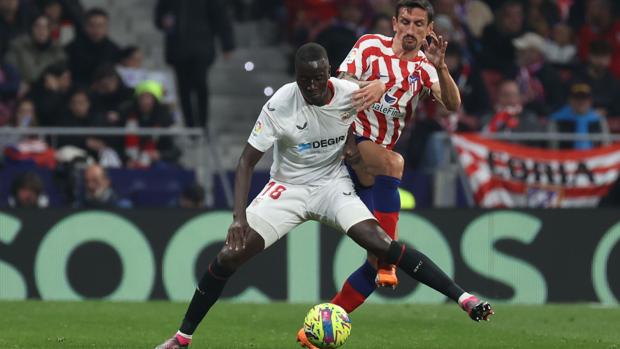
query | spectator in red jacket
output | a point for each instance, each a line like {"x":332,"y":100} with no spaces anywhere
{"x":600,"y":25}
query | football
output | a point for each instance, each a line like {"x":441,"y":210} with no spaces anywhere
{"x":327,"y":326}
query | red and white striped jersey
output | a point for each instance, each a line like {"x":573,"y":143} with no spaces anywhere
{"x":406,"y":82}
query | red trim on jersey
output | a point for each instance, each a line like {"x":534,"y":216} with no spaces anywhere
{"x":382,"y":121}
{"x":395,"y":135}
{"x":392,"y":76}
{"x":386,"y":42}
{"x":375,"y":68}
{"x":370,"y":51}
{"x":404,"y":68}
{"x":426,"y":78}
{"x":365,"y":123}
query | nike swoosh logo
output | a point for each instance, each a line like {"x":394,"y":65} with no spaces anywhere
{"x":347,"y":194}
{"x":269,"y":108}
{"x":302,"y":127}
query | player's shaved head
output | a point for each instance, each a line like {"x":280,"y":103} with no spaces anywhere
{"x":312,"y":73}
{"x":311,"y":54}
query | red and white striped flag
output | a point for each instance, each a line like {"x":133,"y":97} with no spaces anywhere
{"x":507,"y":175}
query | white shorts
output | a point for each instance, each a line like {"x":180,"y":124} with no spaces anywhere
{"x":280,"y":207}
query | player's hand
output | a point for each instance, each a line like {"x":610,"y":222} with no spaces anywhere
{"x":237,"y":234}
{"x":369,"y":93}
{"x":436,"y":51}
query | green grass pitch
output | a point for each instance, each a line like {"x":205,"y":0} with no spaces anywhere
{"x":34,"y":325}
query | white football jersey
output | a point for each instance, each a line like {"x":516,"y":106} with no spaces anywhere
{"x":308,"y":140}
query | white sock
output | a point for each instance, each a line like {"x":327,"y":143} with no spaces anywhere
{"x":463,"y":297}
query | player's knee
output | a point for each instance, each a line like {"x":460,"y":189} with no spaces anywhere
{"x":231,"y":259}
{"x":393,"y":165}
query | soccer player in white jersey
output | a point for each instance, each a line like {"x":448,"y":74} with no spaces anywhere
{"x":307,"y":123}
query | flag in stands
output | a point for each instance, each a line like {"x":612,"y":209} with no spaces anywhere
{"x":506,"y":175}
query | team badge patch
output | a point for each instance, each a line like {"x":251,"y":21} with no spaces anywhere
{"x":258,"y":128}
{"x":351,"y":56}
{"x":345,"y":115}
{"x":389,"y":99}
{"x":414,"y":82}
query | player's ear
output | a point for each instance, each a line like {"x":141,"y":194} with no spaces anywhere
{"x":430,"y":27}
{"x":394,"y":23}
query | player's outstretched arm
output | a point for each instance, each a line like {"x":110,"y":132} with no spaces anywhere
{"x":243,"y":176}
{"x":446,"y":91}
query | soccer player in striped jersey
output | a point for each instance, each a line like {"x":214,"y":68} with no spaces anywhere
{"x":394,"y":73}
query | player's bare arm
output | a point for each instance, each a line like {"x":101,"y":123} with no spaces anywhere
{"x":239,"y":229}
{"x":445,"y":91}
{"x":369,"y":93}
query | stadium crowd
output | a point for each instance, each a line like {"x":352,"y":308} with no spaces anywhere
{"x":60,"y":68}
{"x":521,"y":66}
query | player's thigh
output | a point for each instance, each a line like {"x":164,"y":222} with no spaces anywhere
{"x":338,"y":205}
{"x":276,"y":210}
{"x":379,"y":160}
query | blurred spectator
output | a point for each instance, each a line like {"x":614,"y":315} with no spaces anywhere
{"x":9,"y":88}
{"x":65,"y":16}
{"x":81,"y":114}
{"x":109,"y":94}
{"x":28,"y":191}
{"x":190,"y":28}
{"x":605,"y":88}
{"x":476,"y":14}
{"x":98,"y":192}
{"x":578,"y":117}
{"x":541,"y":16}
{"x":147,"y":111}
{"x":33,"y":52}
{"x":474,"y":97}
{"x":78,"y":113}
{"x":381,"y":24}
{"x":540,"y":84}
{"x":600,"y":25}
{"x":50,"y":92}
{"x":24,"y":117}
{"x":91,"y":49}
{"x":131,"y":71}
{"x":342,"y":33}
{"x":15,"y":17}
{"x":498,"y":52}
{"x":456,"y":30}
{"x":308,"y":17}
{"x":30,"y":148}
{"x":560,"y":49}
{"x":131,"y":57}
{"x":510,"y":114}
{"x":193,"y":196}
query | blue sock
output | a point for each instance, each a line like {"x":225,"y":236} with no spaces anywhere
{"x":367,"y":196}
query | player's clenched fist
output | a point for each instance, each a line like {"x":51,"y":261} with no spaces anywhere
{"x":237,"y":234}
